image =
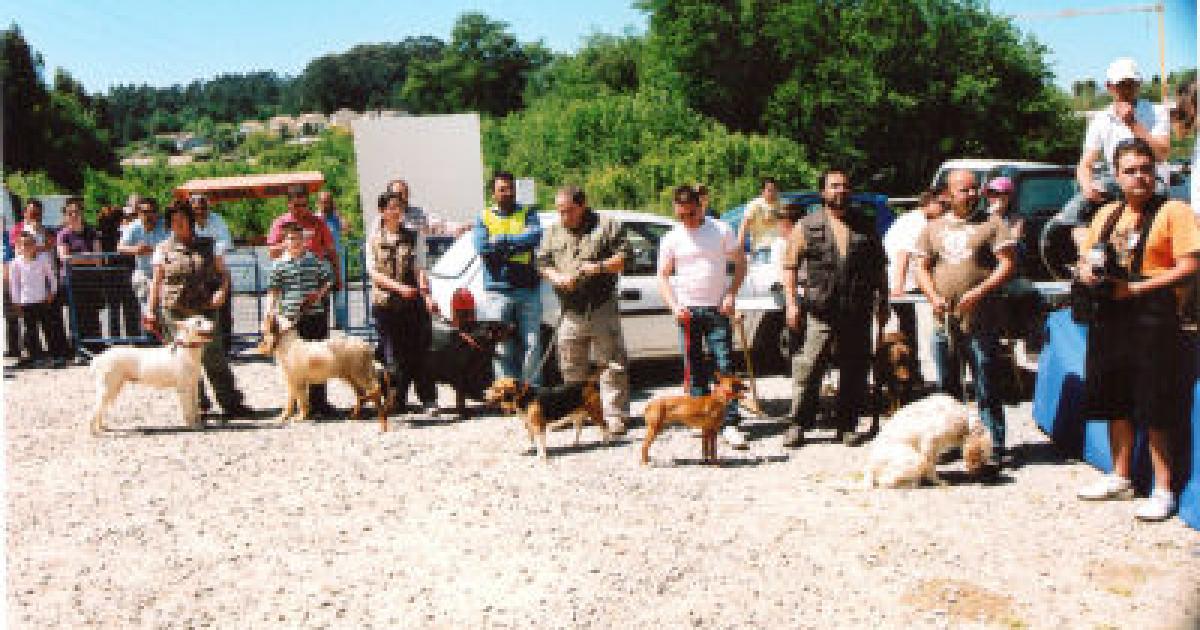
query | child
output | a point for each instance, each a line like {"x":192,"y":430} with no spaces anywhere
{"x":299,"y":284}
{"x":33,"y":285}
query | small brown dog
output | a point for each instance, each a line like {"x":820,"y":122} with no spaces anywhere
{"x":305,"y":363}
{"x":548,"y":407}
{"x":893,"y":369}
{"x":706,"y":413}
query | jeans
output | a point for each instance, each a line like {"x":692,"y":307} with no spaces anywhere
{"x":1078,"y":211}
{"x":707,"y":327}
{"x":523,"y":309}
{"x":982,"y":350}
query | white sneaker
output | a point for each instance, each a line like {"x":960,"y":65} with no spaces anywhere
{"x":1160,"y":505}
{"x":433,"y":411}
{"x":616,"y":426}
{"x":1108,"y":487}
{"x":734,"y":438}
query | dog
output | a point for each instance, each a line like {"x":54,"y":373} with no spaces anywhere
{"x":893,"y":371}
{"x":304,"y":363}
{"x":906,"y":451}
{"x":174,"y":366}
{"x":706,"y":413}
{"x":545,"y":408}
{"x":462,"y":358}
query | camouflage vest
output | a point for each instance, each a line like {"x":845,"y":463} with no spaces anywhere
{"x":395,"y":256}
{"x":189,"y":275}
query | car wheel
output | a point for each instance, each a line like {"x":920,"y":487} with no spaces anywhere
{"x":768,"y":348}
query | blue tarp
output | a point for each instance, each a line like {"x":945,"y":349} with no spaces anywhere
{"x":1057,"y":401}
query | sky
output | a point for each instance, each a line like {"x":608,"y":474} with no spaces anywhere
{"x":158,"y":42}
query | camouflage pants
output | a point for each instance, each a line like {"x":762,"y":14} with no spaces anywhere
{"x":596,"y":336}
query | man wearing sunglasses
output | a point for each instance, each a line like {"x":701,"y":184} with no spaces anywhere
{"x":1127,"y":117}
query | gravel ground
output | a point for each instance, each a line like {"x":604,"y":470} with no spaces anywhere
{"x":455,"y":524}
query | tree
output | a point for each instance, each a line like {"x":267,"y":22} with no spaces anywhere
{"x":606,"y":64}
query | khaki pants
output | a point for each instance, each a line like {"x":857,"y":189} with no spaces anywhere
{"x":583,"y":339}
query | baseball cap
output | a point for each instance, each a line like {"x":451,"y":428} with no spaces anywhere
{"x":1122,"y":69}
{"x":1001,"y":185}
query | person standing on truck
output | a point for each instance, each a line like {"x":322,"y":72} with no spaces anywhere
{"x":1139,"y":253}
{"x":844,"y":282}
{"x":964,"y":259}
{"x":755,"y":229}
{"x":1126,"y":117}
{"x":582,"y":256}
{"x":506,"y":236}
{"x":702,"y":295}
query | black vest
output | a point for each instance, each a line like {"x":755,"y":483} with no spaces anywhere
{"x":837,"y":286}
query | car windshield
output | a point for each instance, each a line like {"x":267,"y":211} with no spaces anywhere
{"x":457,"y":258}
{"x":1044,"y":195}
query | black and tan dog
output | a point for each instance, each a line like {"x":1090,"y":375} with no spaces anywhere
{"x":462,"y":358}
{"x":894,"y":372}
{"x":547,"y":407}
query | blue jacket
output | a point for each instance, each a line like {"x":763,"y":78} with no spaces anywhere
{"x":499,"y":272}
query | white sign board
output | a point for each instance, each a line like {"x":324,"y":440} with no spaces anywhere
{"x":439,"y":157}
{"x":527,"y":191}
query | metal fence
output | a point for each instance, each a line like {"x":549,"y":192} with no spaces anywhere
{"x":103,"y":310}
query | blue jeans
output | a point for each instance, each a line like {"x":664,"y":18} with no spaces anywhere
{"x":707,"y":327}
{"x":982,"y":350}
{"x":523,"y":309}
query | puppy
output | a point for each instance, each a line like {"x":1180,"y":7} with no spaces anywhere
{"x":544,"y":408}
{"x":907,"y":448}
{"x":175,"y":366}
{"x":893,"y":371}
{"x":304,"y":363}
{"x":706,"y":413}
{"x":462,"y":358}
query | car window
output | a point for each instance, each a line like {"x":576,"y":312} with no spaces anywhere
{"x":454,"y":262}
{"x":1044,"y":195}
{"x":643,"y":240}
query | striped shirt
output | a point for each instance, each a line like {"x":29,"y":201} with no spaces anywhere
{"x":295,"y":278}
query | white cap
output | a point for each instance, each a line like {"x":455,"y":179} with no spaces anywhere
{"x":1123,"y":69}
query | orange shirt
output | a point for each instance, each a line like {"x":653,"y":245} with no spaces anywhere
{"x":1173,"y":234}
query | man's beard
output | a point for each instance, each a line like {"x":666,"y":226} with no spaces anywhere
{"x":836,"y":203}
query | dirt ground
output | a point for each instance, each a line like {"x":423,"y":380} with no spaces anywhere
{"x":451,"y":524}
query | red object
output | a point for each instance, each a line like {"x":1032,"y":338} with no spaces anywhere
{"x":462,"y":300}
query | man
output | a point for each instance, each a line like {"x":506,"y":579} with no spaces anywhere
{"x":190,"y":278}
{"x":702,"y":295}
{"x":319,"y":242}
{"x":755,"y":229}
{"x":212,"y":226}
{"x":1126,"y":117}
{"x":844,"y":282}
{"x":900,"y":242}
{"x":139,"y":239}
{"x":506,"y":236}
{"x":581,"y":256}
{"x":964,"y":259}
{"x":1145,"y":249}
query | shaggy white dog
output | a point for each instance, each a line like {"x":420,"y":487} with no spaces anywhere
{"x":175,"y":366}
{"x":907,"y":448}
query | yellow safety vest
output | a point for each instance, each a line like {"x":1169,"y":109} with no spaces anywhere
{"x":511,"y":224}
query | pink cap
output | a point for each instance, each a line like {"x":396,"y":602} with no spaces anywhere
{"x":1001,"y":185}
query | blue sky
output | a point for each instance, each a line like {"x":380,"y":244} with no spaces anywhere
{"x":160,"y":42}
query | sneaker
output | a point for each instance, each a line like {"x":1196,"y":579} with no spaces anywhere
{"x":432,"y":411}
{"x":1159,"y":506}
{"x":616,"y":426}
{"x":794,"y":438}
{"x":1108,"y":487}
{"x":734,"y":438}
{"x":239,"y":410}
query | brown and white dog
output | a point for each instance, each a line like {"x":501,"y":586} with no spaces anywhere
{"x":706,"y":413}
{"x":906,"y":451}
{"x":304,"y":363}
{"x":548,"y":407}
{"x":175,"y":366}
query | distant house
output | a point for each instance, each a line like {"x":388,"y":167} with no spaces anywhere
{"x":281,"y":124}
{"x":179,"y":160}
{"x":343,"y":117}
{"x":251,"y":126}
{"x":310,"y":124}
{"x":131,"y":162}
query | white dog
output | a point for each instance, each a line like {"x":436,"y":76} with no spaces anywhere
{"x":175,"y":366}
{"x":907,"y":448}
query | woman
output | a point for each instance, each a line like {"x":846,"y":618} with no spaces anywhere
{"x":400,"y":301}
{"x":189,"y":278}
{"x":86,"y":285}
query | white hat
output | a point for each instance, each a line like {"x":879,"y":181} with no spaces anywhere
{"x":1123,"y":69}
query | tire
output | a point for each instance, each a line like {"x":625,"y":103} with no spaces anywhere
{"x":770,"y":355}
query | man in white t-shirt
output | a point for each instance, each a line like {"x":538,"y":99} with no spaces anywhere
{"x":1127,"y":117}
{"x":701,"y":295}
{"x":900,"y":244}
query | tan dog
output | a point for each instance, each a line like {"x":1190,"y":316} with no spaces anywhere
{"x":548,"y":407}
{"x":906,"y":451}
{"x":706,"y":413}
{"x":304,"y":363}
{"x":893,"y":368}
{"x":175,"y":366}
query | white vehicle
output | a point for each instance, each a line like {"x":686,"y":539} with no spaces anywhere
{"x":649,"y":327}
{"x":980,"y":167}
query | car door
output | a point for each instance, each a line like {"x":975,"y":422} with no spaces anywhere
{"x":649,"y":328}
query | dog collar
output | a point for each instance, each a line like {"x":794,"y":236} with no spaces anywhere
{"x":188,"y":344}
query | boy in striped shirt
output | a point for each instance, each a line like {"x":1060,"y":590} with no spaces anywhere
{"x":299,"y":285}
